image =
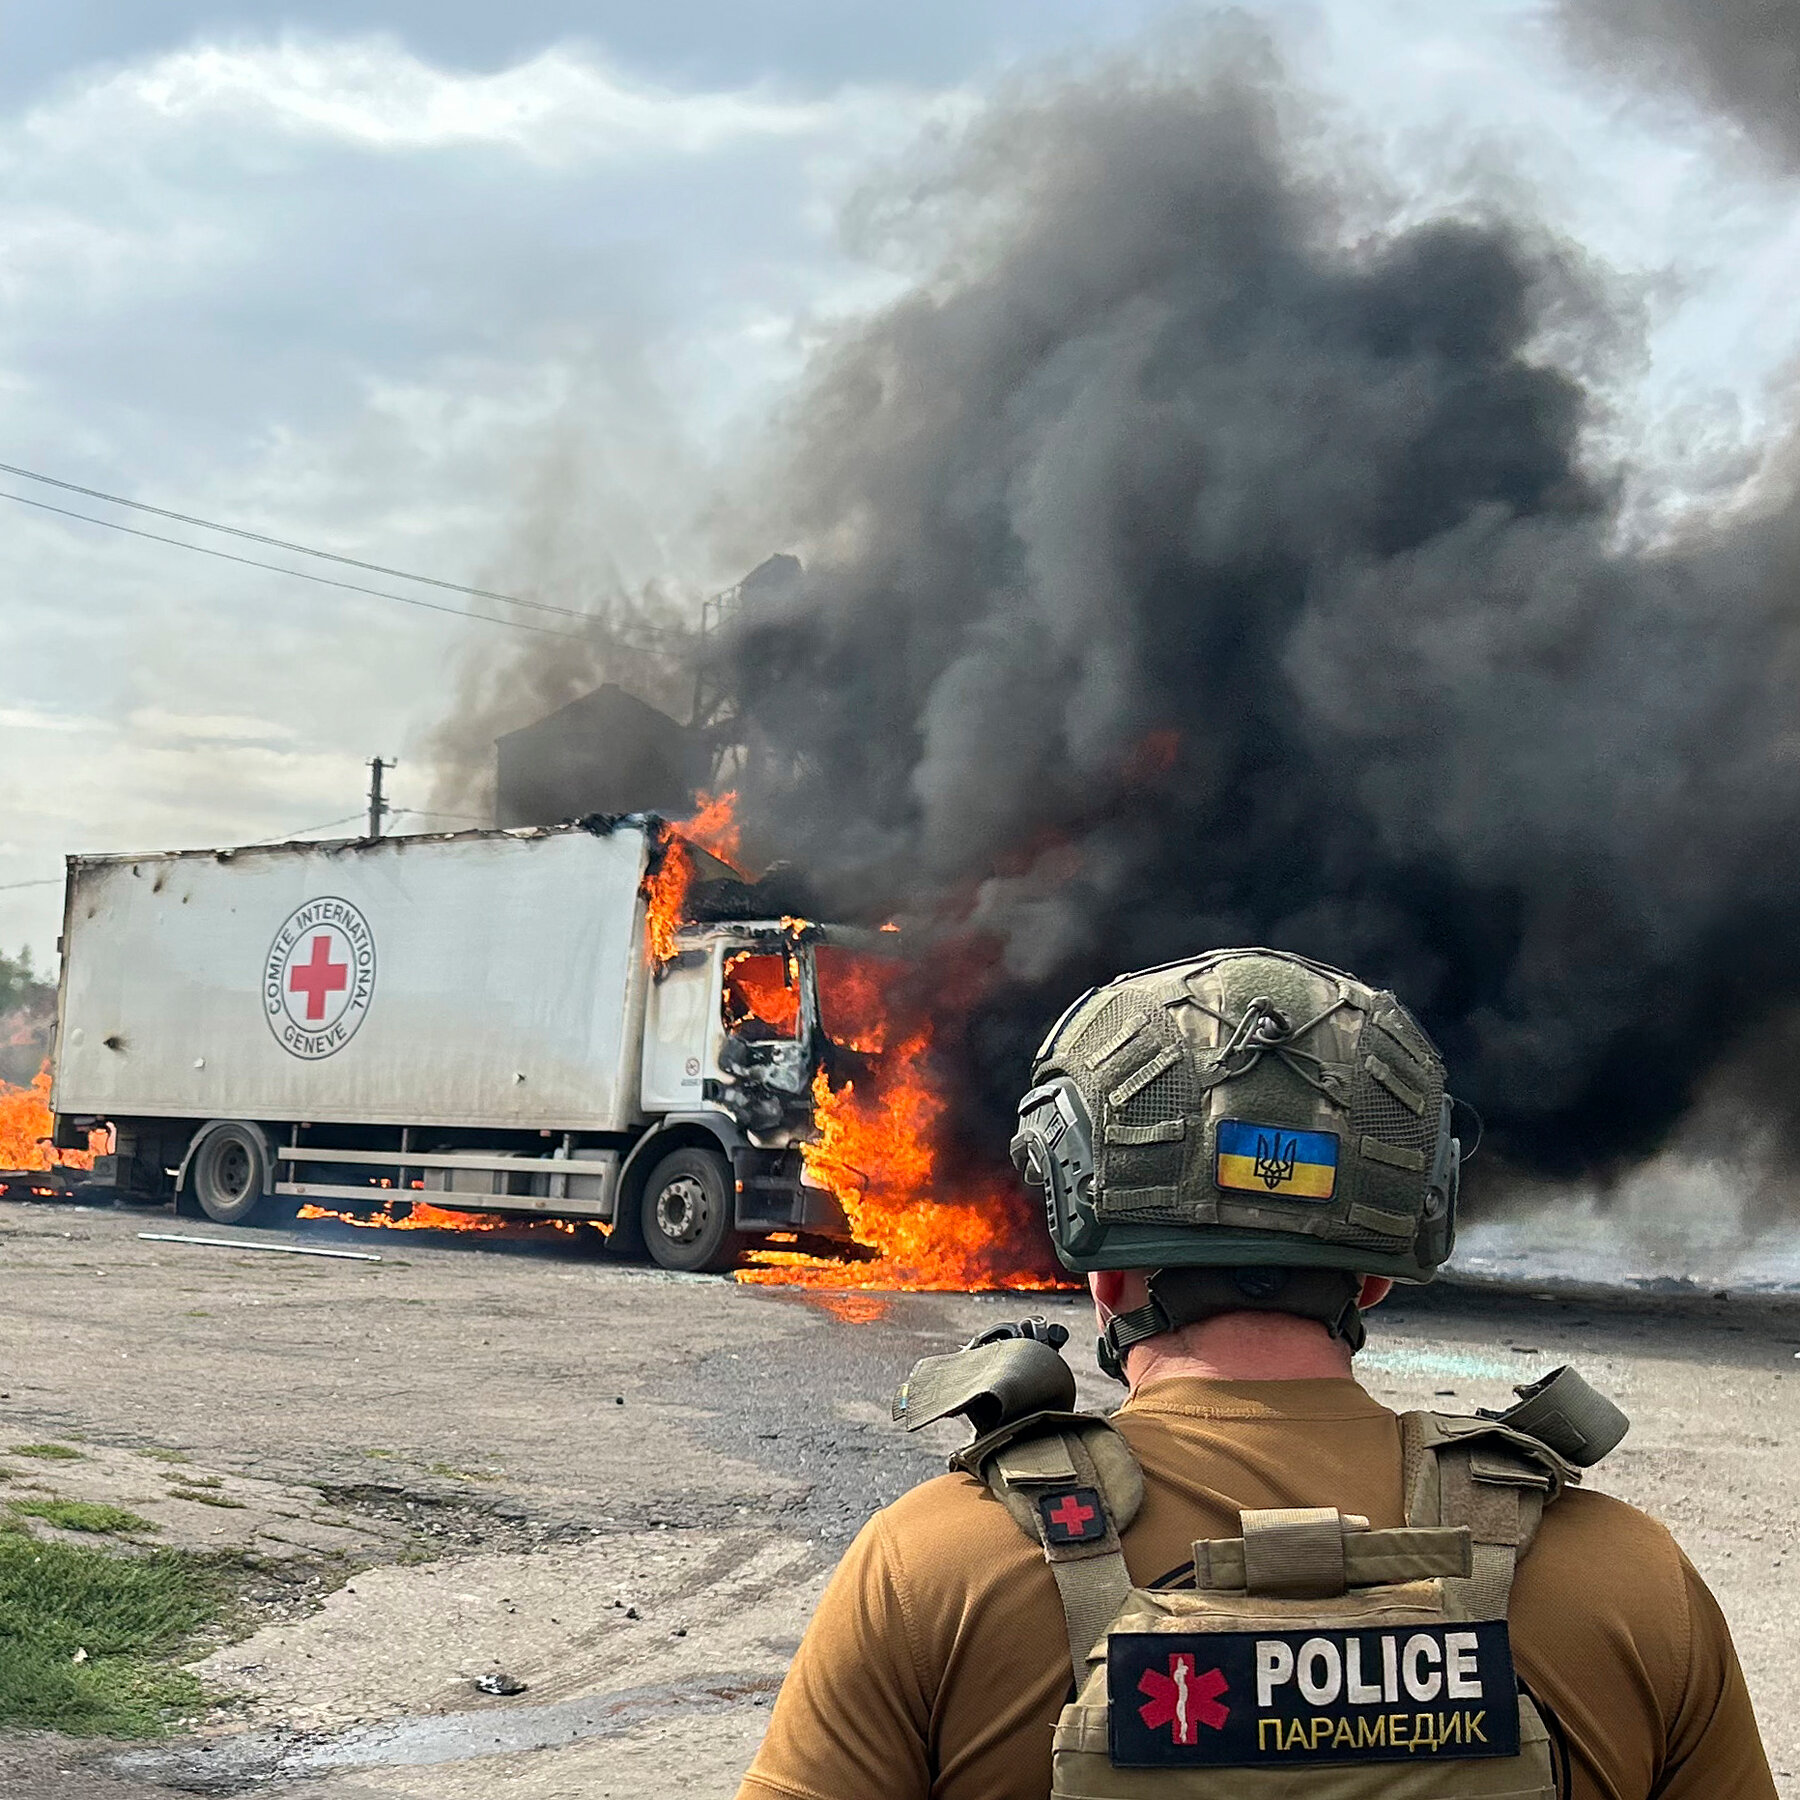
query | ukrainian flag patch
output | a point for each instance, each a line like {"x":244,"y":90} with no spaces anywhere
{"x":1269,"y":1159}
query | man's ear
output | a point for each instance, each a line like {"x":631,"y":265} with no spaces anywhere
{"x":1375,"y":1289}
{"x":1107,"y":1287}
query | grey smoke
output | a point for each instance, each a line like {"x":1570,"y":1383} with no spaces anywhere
{"x":1740,"y":58}
{"x":641,"y":641}
{"x":1189,"y":566}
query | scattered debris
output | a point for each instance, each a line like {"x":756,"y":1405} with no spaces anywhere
{"x":169,"y":1237}
{"x":499,"y":1682}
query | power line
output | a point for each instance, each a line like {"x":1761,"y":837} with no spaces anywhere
{"x":250,"y":562}
{"x":287,"y":837}
{"x":257,"y":537}
{"x":7,"y":887}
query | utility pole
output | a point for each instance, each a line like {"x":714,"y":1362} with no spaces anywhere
{"x":378,"y":807}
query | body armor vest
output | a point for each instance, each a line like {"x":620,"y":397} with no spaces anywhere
{"x":1312,"y":1658}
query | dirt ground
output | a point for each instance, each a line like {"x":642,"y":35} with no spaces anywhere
{"x":624,"y":1489}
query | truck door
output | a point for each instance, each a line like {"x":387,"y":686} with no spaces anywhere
{"x":681,"y":1031}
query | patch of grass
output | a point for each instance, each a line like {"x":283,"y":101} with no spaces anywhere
{"x":48,"y":1452}
{"x":157,"y":1454}
{"x":380,"y":1455}
{"x":82,"y":1515}
{"x":451,"y":1472}
{"x":205,"y":1497}
{"x":194,"y":1481}
{"x":198,"y":1312}
{"x":128,"y":1613}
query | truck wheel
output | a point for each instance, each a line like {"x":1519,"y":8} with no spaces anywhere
{"x":687,"y":1212}
{"x":228,"y":1174}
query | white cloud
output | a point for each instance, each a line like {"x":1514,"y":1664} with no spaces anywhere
{"x":329,"y":290}
{"x":564,"y":105}
{"x":161,"y":725}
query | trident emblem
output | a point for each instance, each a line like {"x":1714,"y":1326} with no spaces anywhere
{"x":1275,"y":1160}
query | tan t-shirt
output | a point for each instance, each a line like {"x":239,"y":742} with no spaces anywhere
{"x":937,"y":1662}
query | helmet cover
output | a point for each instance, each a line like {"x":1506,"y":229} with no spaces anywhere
{"x":1244,"y":1108}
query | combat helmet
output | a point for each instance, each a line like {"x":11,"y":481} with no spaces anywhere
{"x":1248,"y":1113}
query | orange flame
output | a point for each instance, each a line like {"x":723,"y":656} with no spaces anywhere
{"x":26,"y":1125}
{"x":878,"y":1151}
{"x":878,"y":1145}
{"x":421,"y":1215}
{"x":762,"y":984}
{"x":713,"y":828}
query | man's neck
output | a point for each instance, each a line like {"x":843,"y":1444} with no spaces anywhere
{"x":1241,"y":1347}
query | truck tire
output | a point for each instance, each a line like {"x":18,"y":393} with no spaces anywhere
{"x":688,"y":1212}
{"x":229,"y":1173}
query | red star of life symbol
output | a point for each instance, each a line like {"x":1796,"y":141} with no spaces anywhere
{"x":1183,"y":1700}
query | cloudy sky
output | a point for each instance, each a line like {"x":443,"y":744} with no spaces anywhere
{"x":507,"y":295}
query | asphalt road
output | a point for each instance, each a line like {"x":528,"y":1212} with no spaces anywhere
{"x":624,"y":1488}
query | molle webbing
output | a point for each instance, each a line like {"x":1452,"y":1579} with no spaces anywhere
{"x":1493,"y":1480}
{"x":1317,"y":1553}
{"x":1083,"y":1470}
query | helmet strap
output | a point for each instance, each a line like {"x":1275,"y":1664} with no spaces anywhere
{"x":1185,"y":1296}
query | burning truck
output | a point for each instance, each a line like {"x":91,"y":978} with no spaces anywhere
{"x":520,"y":1022}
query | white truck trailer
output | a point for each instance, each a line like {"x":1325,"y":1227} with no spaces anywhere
{"x":474,"y":1020}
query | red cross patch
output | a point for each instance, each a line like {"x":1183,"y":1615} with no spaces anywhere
{"x":1074,"y":1517}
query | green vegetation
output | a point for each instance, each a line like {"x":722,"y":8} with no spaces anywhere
{"x":205,"y":1496}
{"x":82,"y":1515}
{"x":169,"y":1456}
{"x":48,"y":1452}
{"x":19,"y":983}
{"x":122,"y":1616}
{"x":451,"y":1472}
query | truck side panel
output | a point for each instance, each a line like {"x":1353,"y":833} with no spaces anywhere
{"x":484,"y":980}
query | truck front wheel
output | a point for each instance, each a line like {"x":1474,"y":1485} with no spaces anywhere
{"x":229,"y":1172}
{"x":688,"y":1212}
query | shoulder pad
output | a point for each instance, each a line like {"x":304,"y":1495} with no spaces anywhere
{"x":990,"y":1385}
{"x":1051,"y":1449}
{"x":1500,"y":1448}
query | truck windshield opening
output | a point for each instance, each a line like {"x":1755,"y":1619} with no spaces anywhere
{"x":762,"y":996}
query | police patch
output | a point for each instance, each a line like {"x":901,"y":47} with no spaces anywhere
{"x":1249,"y":1699}
{"x":1268,"y":1159}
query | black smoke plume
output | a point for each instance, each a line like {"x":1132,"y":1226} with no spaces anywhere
{"x":1740,"y":58}
{"x":1199,"y":555}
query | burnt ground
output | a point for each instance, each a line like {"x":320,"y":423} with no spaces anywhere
{"x":624,"y":1488}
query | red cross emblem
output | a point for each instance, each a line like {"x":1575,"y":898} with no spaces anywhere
{"x":319,"y":977}
{"x":1075,"y":1517}
{"x":1182,"y":1700}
